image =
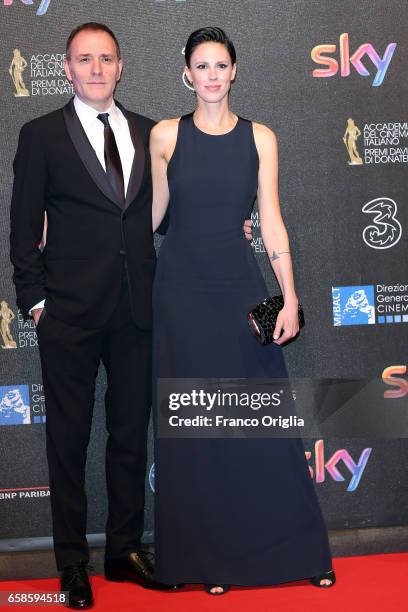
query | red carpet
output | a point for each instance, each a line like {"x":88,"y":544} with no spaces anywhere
{"x":365,"y":584}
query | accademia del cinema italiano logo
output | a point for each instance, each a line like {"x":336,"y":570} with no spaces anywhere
{"x":39,"y":74}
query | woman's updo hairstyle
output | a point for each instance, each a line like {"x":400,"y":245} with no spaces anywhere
{"x":210,"y":34}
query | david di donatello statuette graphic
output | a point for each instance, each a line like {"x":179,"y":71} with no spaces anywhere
{"x":17,"y":67}
{"x":6,"y":316}
{"x":350,"y":138}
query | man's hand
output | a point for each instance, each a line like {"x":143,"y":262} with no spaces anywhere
{"x":248,"y":229}
{"x":36,"y":314}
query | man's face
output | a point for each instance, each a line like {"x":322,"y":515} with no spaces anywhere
{"x":94,"y":68}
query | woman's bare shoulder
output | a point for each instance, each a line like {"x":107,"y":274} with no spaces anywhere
{"x":263,"y":133}
{"x":165,"y":130}
{"x":265,"y":141}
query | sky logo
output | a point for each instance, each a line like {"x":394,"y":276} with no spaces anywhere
{"x":42,"y":9}
{"x":399,"y":383}
{"x":353,"y":305}
{"x":321,"y":55}
{"x":321,"y":465}
{"x":15,"y":405}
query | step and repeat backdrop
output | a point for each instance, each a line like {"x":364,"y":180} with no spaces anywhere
{"x":331,"y":79}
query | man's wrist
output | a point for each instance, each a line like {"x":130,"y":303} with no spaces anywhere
{"x":37,"y":314}
{"x":38,"y":306}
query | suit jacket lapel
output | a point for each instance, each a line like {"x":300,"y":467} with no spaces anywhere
{"x":87,"y":154}
{"x":139,"y":159}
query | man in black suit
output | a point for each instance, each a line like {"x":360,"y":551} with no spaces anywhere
{"x":89,"y":292}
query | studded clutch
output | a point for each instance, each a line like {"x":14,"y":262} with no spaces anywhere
{"x":262,"y":318}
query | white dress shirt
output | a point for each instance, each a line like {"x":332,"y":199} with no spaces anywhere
{"x":94,"y":129}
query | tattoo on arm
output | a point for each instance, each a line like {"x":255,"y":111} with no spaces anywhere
{"x":275,"y":255}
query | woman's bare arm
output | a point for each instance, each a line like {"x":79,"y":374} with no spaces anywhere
{"x":163,"y":139}
{"x":274,"y":232}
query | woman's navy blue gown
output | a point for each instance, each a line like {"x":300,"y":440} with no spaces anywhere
{"x":234,"y":511}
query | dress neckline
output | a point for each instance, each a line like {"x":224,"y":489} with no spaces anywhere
{"x":214,"y":135}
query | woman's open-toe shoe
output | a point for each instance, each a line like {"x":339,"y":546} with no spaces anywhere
{"x":316,"y":580}
{"x":225,"y":588}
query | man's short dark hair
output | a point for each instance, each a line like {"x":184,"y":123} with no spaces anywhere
{"x":92,"y":26}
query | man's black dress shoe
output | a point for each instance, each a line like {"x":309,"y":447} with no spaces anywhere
{"x":136,"y":567}
{"x":74,"y":580}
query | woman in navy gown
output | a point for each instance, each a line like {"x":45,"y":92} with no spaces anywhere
{"x":228,"y":511}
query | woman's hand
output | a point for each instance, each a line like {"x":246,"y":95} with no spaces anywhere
{"x":247,"y":227}
{"x":288,"y":321}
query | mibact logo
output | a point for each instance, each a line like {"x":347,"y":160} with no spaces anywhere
{"x":42,"y":9}
{"x":369,"y":304}
{"x":15,"y":405}
{"x":353,"y":305}
{"x":399,"y":383}
{"x":321,"y":55}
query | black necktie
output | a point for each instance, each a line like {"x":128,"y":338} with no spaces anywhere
{"x":112,"y":159}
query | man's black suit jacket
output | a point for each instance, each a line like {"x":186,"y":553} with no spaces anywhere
{"x":89,"y":234}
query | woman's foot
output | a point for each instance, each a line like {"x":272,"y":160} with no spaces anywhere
{"x":325,"y":580}
{"x":217,"y":589}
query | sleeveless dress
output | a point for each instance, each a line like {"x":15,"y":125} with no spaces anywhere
{"x":227,"y":511}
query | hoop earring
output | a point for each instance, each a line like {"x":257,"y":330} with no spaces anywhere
{"x":187,"y":83}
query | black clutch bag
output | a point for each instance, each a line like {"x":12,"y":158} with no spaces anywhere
{"x":262,"y":318}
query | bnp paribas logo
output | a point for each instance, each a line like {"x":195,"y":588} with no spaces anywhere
{"x":16,"y":69}
{"x":6,"y":317}
{"x":350,"y":138}
{"x":42,"y":5}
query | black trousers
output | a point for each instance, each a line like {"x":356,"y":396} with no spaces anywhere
{"x":70,"y":357}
